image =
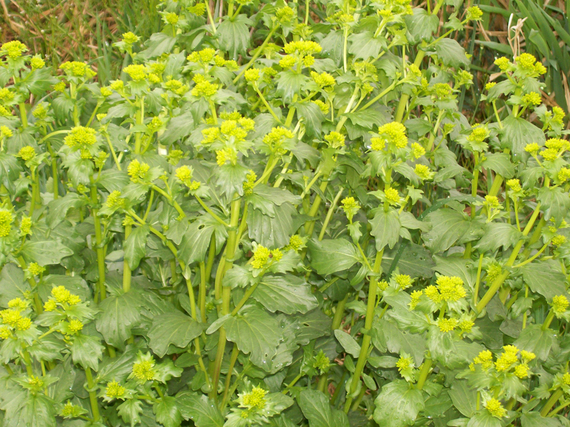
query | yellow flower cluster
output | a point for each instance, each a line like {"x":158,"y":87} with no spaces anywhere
{"x":532,"y":98}
{"x":114,"y":390}
{"x":322,"y":106}
{"x":74,"y":326}
{"x":130,"y":38}
{"x":261,"y":256}
{"x":350,"y":207}
{"x":77,"y":69}
{"x":392,"y":195}
{"x":324,"y":79}
{"x":276,"y":138}
{"x":391,"y":133}
{"x":144,"y":370}
{"x":448,"y":289}
{"x":13,"y":319}
{"x":558,"y":240}
{"x":204,"y":89}
{"x":138,"y":171}
{"x":13,"y":49}
{"x":137,"y":72}
{"x":115,"y":201}
{"x":27,"y":153}
{"x":423,"y":172}
{"x":5,"y":222}
{"x":61,"y":296}
{"x":495,"y":408}
{"x":417,"y":150}
{"x":5,"y":132}
{"x":35,"y":269}
{"x":302,"y":47}
{"x":285,"y":14}
{"x":26,"y":226}
{"x":6,"y":95}
{"x":478,"y":134}
{"x":529,"y":65}
{"x":404,"y":363}
{"x":204,"y":56}
{"x":403,"y":281}
{"x":250,"y":180}
{"x":255,"y":399}
{"x":81,"y":137}
{"x":447,"y":325}
{"x":560,"y":303}
{"x":296,"y":243}
{"x":225,"y":155}
{"x":474,"y":13}
{"x":335,"y":140}
{"x":252,"y":75}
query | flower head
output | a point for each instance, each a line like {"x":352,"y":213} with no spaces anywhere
{"x":495,"y":408}
{"x":394,"y":134}
{"x":261,"y":256}
{"x":5,"y":222}
{"x":77,"y":69}
{"x":335,"y":140}
{"x":81,"y":137}
{"x":114,"y":390}
{"x":447,"y":325}
{"x":560,"y":304}
{"x":13,"y":49}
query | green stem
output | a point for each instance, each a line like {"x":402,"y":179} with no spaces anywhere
{"x":424,"y":372}
{"x":207,"y":209}
{"x":23,"y":115}
{"x":244,"y":299}
{"x":202,"y":293}
{"x":231,"y":248}
{"x":548,"y":320}
{"x":126,"y":267}
{"x":339,"y":313}
{"x":330,"y":214}
{"x":140,"y":122}
{"x":551,"y":402}
{"x":310,"y":225}
{"x":405,"y":97}
{"x":92,"y":395}
{"x":370,"y":309}
{"x":277,"y":119}
{"x":233,"y":359}
{"x":27,"y":362}
{"x":210,"y":18}
{"x":98,"y":242}
{"x":478,"y":282}
{"x":380,"y":96}
{"x":257,"y":54}
{"x":113,"y":151}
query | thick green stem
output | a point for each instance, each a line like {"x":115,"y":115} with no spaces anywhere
{"x":551,"y":402}
{"x":23,"y":115}
{"x":370,"y":311}
{"x":126,"y":268}
{"x":400,"y":110}
{"x":548,"y":320}
{"x":92,"y":395}
{"x":98,"y":242}
{"x":231,"y":248}
{"x":233,"y":359}
{"x":424,"y":372}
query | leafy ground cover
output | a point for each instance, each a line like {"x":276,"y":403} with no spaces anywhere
{"x":282,"y":215}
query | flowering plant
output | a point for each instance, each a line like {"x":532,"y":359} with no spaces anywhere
{"x":300,"y":229}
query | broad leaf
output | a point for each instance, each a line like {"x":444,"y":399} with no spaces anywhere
{"x":330,"y":256}
{"x":348,"y":343}
{"x":199,"y":409}
{"x":317,"y":409}
{"x":173,"y":328}
{"x":288,"y":294}
{"x":134,"y":246}
{"x":119,"y":314}
{"x":86,"y":351}
{"x":398,"y":404}
{"x":448,"y":226}
{"x":255,"y":333}
{"x":45,"y":252}
{"x":385,"y":228}
{"x":167,"y":412}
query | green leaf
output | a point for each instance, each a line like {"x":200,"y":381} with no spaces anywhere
{"x":173,"y":328}
{"x":348,"y":343}
{"x":387,"y":336}
{"x":272,"y":232}
{"x":255,"y":333}
{"x":331,"y":256}
{"x":463,"y":397}
{"x":289,"y":83}
{"x":39,"y":81}
{"x":545,"y":278}
{"x":497,"y":235}
{"x":86,"y":351}
{"x":45,"y":252}
{"x":414,"y":260}
{"x":166,"y":411}
{"x":28,"y":409}
{"x":421,"y":25}
{"x":316,"y":408}
{"x":534,"y":419}
{"x":449,"y":352}
{"x":57,"y":209}
{"x":555,"y":203}
{"x":288,"y":294}
{"x":134,"y":246}
{"x":130,"y":411}
{"x":119,"y":314}
{"x":199,"y":409}
{"x":451,"y":53}
{"x":9,"y":167}
{"x":385,"y":228}
{"x":158,"y":44}
{"x":113,"y":180}
{"x":500,"y":163}
{"x":196,"y":240}
{"x":233,"y":35}
{"x":12,"y":284}
{"x":265,"y":198}
{"x":457,"y":266}
{"x":364,"y":45}
{"x":448,"y":226}
{"x":484,"y":419}
{"x":518,"y":132}
{"x":536,"y":340}
{"x":178,"y":127}
{"x":312,"y":117}
{"x":398,"y":404}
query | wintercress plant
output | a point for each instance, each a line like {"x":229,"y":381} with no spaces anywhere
{"x":278,"y":215}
